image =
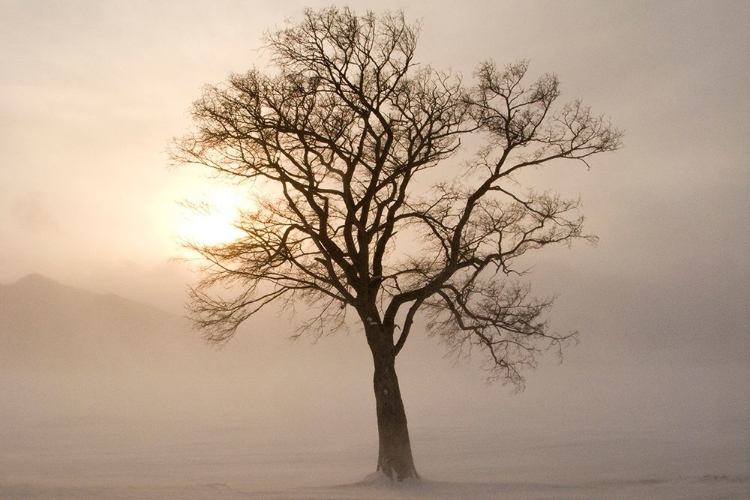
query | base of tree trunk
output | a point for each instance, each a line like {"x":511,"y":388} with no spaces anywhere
{"x":379,"y":478}
{"x":395,"y":472}
{"x":395,"y":457}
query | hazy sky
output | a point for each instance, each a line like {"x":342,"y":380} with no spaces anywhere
{"x":92,"y":92}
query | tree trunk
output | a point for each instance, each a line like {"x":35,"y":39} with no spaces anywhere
{"x":394,"y":458}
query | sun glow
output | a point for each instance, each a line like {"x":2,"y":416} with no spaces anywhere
{"x":210,"y":219}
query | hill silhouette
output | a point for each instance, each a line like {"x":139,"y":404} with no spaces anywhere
{"x":45,"y":325}
{"x":67,"y":352}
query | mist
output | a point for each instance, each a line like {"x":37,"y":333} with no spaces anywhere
{"x":104,"y":397}
{"x":108,"y":392}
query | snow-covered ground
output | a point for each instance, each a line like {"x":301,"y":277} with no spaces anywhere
{"x":130,"y":460}
{"x":701,"y":489}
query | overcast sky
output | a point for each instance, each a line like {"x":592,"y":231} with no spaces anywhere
{"x":92,"y":92}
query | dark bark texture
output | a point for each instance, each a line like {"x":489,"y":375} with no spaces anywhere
{"x":395,"y":457}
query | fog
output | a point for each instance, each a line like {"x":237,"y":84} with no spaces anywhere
{"x":105,"y":397}
{"x":107,"y":393}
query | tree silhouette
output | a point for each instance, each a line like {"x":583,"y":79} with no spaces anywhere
{"x":347,"y":137}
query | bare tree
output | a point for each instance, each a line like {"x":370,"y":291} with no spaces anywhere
{"x":346,"y":136}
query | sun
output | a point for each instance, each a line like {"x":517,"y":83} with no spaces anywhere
{"x":210,"y":218}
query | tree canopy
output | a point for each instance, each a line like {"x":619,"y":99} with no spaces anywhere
{"x":345,"y":135}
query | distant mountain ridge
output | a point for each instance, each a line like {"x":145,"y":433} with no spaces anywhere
{"x":39,"y":287}
{"x":70,"y":352}
{"x":47,"y":325}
